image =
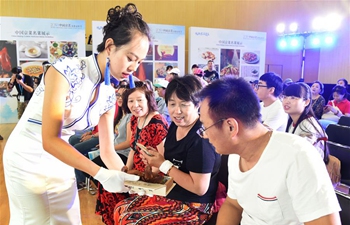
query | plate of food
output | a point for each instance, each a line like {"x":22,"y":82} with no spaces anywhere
{"x":208,"y":55}
{"x":32,"y":68}
{"x":63,"y":48}
{"x":250,"y":58}
{"x":229,"y":70}
{"x":32,"y":52}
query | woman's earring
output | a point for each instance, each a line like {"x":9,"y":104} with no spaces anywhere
{"x":107,"y":76}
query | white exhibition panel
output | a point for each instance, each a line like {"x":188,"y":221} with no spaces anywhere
{"x":234,"y":52}
{"x":167,"y":48}
{"x":28,"y":42}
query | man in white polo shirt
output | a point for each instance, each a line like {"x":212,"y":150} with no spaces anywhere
{"x":268,"y":90}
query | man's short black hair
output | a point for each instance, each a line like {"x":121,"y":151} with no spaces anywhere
{"x":194,"y":66}
{"x":273,"y":80}
{"x":232,"y":98}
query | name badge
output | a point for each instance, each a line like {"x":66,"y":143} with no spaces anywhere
{"x":21,"y":98}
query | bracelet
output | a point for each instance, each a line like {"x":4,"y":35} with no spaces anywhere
{"x":166,"y":166}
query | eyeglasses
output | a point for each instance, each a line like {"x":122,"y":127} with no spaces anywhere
{"x":201,"y":131}
{"x":289,"y":97}
{"x":117,"y":95}
{"x":256,"y":86}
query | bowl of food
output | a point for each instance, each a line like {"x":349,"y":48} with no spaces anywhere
{"x":32,"y":68}
{"x":33,"y":51}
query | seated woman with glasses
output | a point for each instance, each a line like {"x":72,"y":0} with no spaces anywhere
{"x":297,"y":102}
{"x":147,"y":127}
{"x":190,"y":160}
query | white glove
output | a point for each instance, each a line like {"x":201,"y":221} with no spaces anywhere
{"x":113,"y":180}
{"x":140,"y":192}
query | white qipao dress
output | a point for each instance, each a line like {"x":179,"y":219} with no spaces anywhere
{"x":41,"y":188}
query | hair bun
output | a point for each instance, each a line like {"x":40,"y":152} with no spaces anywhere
{"x":118,"y":12}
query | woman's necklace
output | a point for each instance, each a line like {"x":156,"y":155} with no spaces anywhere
{"x":138,"y":130}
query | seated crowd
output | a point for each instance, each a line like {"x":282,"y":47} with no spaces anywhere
{"x":168,"y":122}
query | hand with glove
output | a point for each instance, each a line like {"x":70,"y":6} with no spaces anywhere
{"x":113,"y":180}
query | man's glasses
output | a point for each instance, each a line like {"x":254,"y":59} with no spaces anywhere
{"x":201,"y":131}
{"x":257,"y":86}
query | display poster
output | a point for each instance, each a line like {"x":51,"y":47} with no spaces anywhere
{"x":167,"y":48}
{"x":234,"y":52}
{"x":28,"y":42}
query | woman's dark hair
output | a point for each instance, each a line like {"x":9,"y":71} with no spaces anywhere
{"x":120,"y":112}
{"x":340,"y":90}
{"x":140,"y":86}
{"x":185,"y":88}
{"x":345,"y":82}
{"x":122,"y":23}
{"x":169,"y":67}
{"x":321,"y":86}
{"x":302,"y":90}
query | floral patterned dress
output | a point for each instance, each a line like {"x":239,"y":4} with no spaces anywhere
{"x":151,"y":135}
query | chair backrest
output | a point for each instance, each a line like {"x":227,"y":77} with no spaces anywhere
{"x":342,"y":152}
{"x":344,"y":120}
{"x":333,"y":168}
{"x":338,"y":134}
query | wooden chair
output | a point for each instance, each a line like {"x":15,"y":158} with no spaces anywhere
{"x":344,"y":121}
{"x":342,"y":152}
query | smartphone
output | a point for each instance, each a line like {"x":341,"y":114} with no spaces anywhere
{"x":144,"y":149}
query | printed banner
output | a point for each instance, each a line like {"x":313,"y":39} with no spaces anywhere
{"x":167,"y":48}
{"x":28,"y":42}
{"x":234,"y":52}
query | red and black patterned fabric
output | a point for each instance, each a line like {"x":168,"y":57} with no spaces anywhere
{"x":150,"y":135}
{"x":142,"y":210}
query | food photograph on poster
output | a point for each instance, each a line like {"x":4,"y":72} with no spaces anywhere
{"x":32,"y":49}
{"x":32,"y":68}
{"x":250,"y":72}
{"x":206,"y":54}
{"x":144,"y":71}
{"x":63,"y":48}
{"x":250,"y":57}
{"x":166,"y":53}
{"x":8,"y":57}
{"x":229,"y":62}
{"x":149,"y":55}
{"x":160,"y":69}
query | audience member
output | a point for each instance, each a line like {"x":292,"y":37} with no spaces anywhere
{"x":254,"y":83}
{"x":199,"y":73}
{"x":297,"y":102}
{"x":210,"y":74}
{"x":287,"y":82}
{"x":194,"y":67}
{"x":190,"y":160}
{"x":268,"y":91}
{"x":274,"y":178}
{"x":161,"y":86}
{"x":343,"y":82}
{"x":25,"y":87}
{"x":173,"y":73}
{"x":168,"y":68}
{"x":318,"y":101}
{"x":336,"y":108}
{"x":148,"y":127}
{"x":38,"y":161}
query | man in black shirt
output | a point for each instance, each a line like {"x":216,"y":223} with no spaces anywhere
{"x":25,"y":87}
{"x":210,"y":74}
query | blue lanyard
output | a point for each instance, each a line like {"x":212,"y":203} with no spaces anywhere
{"x":21,"y":88}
